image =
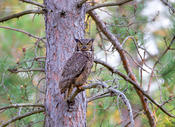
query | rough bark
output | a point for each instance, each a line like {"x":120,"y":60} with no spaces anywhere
{"x":63,"y":22}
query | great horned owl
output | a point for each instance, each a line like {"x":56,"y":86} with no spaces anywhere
{"x":78,"y":66}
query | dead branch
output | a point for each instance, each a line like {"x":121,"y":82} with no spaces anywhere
{"x":17,"y":15}
{"x":21,"y":117}
{"x":21,"y":105}
{"x":33,"y":3}
{"x":118,"y":3}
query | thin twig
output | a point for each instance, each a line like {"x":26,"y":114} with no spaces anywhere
{"x":118,"y":3}
{"x":33,"y":2}
{"x":21,"y":117}
{"x":17,"y":15}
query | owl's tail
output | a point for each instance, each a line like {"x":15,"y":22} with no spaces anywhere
{"x":67,"y":91}
{"x":70,"y":89}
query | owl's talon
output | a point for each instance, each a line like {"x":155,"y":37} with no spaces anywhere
{"x":79,"y":87}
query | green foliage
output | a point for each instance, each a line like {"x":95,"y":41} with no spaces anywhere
{"x":18,"y":52}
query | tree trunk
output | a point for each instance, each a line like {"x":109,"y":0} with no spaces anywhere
{"x":63,"y":22}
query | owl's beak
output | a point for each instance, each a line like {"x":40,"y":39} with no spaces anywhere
{"x":84,"y":47}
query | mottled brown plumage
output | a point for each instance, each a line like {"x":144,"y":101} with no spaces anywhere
{"x":78,"y":67}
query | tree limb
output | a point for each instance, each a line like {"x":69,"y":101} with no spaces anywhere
{"x":21,"y":117}
{"x":33,"y":2}
{"x":17,"y":15}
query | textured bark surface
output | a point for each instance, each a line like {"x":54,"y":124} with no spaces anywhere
{"x":64,"y":22}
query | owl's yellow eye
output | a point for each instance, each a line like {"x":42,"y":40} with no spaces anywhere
{"x":80,"y":44}
{"x":89,"y":44}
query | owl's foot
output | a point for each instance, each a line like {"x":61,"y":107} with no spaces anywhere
{"x":79,"y":87}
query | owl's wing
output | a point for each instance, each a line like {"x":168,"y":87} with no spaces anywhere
{"x":72,"y":69}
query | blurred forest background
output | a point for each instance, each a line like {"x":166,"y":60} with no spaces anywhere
{"x":141,"y":26}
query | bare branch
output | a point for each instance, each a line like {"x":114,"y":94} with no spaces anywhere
{"x":21,"y":117}
{"x":17,"y":15}
{"x":118,"y":3}
{"x":24,"y":32}
{"x":33,"y":2}
{"x":21,"y":105}
{"x":165,"y":2}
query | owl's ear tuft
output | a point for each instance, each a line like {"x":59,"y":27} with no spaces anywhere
{"x":77,"y":40}
{"x":91,"y":40}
